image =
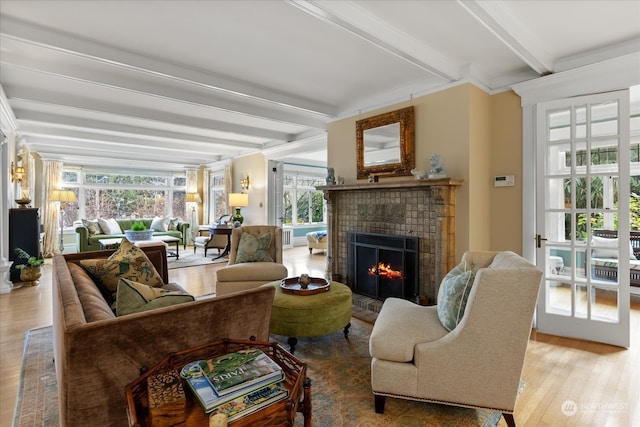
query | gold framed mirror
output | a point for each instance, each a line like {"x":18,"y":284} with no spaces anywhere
{"x":385,"y":144}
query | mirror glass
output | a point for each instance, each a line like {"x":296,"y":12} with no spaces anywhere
{"x":385,"y":144}
{"x":382,"y":145}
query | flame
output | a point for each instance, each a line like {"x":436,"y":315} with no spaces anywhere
{"x":385,"y":271}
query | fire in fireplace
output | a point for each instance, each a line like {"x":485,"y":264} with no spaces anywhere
{"x":382,"y":265}
{"x":385,"y":271}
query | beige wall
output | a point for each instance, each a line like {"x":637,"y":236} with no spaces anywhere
{"x":506,"y":159}
{"x":255,"y":167}
{"x":478,"y":136}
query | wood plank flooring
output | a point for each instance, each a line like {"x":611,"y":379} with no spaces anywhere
{"x":600,"y":383}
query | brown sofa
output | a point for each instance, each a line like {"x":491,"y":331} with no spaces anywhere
{"x":98,"y":354}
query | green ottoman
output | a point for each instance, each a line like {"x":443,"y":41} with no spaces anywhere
{"x":310,"y":315}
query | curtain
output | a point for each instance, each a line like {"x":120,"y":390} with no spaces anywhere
{"x":227,"y":185}
{"x":52,"y":174}
{"x":206,"y":196}
{"x":192,"y":187}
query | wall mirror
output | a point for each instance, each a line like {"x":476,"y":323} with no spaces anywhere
{"x":385,"y":144}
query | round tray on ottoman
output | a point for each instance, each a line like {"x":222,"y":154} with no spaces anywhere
{"x":295,"y":285}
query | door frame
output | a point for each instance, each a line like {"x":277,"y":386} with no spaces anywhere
{"x":605,"y":76}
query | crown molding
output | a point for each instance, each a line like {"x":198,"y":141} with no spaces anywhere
{"x":605,"y":76}
{"x":8,"y":121}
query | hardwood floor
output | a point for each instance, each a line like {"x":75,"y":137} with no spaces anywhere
{"x":603,"y":382}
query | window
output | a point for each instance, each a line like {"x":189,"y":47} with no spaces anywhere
{"x":218,"y":201}
{"x":302,"y":203}
{"x":104,"y":194}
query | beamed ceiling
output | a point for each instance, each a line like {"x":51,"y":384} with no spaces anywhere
{"x":178,"y":84}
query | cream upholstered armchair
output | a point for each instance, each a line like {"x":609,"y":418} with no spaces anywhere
{"x":255,"y":258}
{"x":478,"y":363}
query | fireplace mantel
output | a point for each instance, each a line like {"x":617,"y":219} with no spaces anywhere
{"x":418,"y":208}
{"x":393,"y":184}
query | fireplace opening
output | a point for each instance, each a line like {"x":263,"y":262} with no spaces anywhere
{"x":382,"y":266}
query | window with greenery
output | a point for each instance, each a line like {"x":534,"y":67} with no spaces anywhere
{"x":117,"y":195}
{"x":302,"y":203}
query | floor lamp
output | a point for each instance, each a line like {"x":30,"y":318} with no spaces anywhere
{"x":194,"y":199}
{"x":62,"y":196}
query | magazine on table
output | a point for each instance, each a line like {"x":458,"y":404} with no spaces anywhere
{"x":239,"y":370}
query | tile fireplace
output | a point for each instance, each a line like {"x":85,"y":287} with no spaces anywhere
{"x":421,"y":209}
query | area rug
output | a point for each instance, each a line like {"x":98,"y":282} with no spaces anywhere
{"x":189,"y":259}
{"x":341,"y":390}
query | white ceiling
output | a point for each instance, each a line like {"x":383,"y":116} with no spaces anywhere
{"x":177,"y":84}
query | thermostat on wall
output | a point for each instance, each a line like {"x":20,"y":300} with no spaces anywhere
{"x":504,"y":181}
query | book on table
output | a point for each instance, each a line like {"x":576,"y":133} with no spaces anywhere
{"x":255,"y":400}
{"x":239,"y":370}
{"x":209,"y":398}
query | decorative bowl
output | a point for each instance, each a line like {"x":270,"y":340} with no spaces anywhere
{"x":133,"y":235}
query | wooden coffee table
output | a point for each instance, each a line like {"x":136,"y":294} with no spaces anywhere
{"x":281,"y":413}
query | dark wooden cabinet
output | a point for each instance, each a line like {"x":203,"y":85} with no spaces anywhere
{"x":24,"y":232}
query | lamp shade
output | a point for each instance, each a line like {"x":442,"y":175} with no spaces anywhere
{"x":238,"y":200}
{"x":193,"y":198}
{"x":63,"y":196}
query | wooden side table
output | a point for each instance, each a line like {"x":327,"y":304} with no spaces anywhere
{"x":281,"y":413}
{"x":226,"y":231}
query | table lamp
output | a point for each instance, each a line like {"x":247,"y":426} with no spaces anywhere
{"x":237,"y":201}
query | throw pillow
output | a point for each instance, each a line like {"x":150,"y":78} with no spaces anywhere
{"x":160,"y":224}
{"x":452,"y":296}
{"x":254,"y":248}
{"x":109,"y":226}
{"x":93,"y":226}
{"x":173,"y":224}
{"x":134,"y":297}
{"x":128,"y":262}
{"x":608,"y":248}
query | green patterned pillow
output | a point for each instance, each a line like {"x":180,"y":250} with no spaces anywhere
{"x":173,"y":224}
{"x":128,"y":262}
{"x":93,"y":226}
{"x":452,"y":296}
{"x":133,"y":297}
{"x":254,"y":248}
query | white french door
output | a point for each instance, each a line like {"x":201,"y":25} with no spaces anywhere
{"x":582,"y":189}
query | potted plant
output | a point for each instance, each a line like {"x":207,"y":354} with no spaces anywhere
{"x":30,"y":270}
{"x":138,"y":231}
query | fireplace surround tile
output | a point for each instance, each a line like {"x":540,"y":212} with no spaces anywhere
{"x":420,"y":208}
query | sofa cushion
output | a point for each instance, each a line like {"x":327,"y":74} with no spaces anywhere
{"x":254,"y":248}
{"x":92,"y":226}
{"x":109,"y":226}
{"x":452,"y":295}
{"x":608,"y":248}
{"x":128,"y":262}
{"x":160,"y":224}
{"x":252,"y":272}
{"x":134,"y":297}
{"x":94,"y":305}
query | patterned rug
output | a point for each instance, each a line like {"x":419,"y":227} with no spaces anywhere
{"x":339,"y":370}
{"x":189,"y":259}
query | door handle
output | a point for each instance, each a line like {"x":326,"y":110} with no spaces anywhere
{"x":539,"y":240}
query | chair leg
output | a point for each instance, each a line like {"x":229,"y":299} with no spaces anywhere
{"x":379,"y":403}
{"x":511,"y":422}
